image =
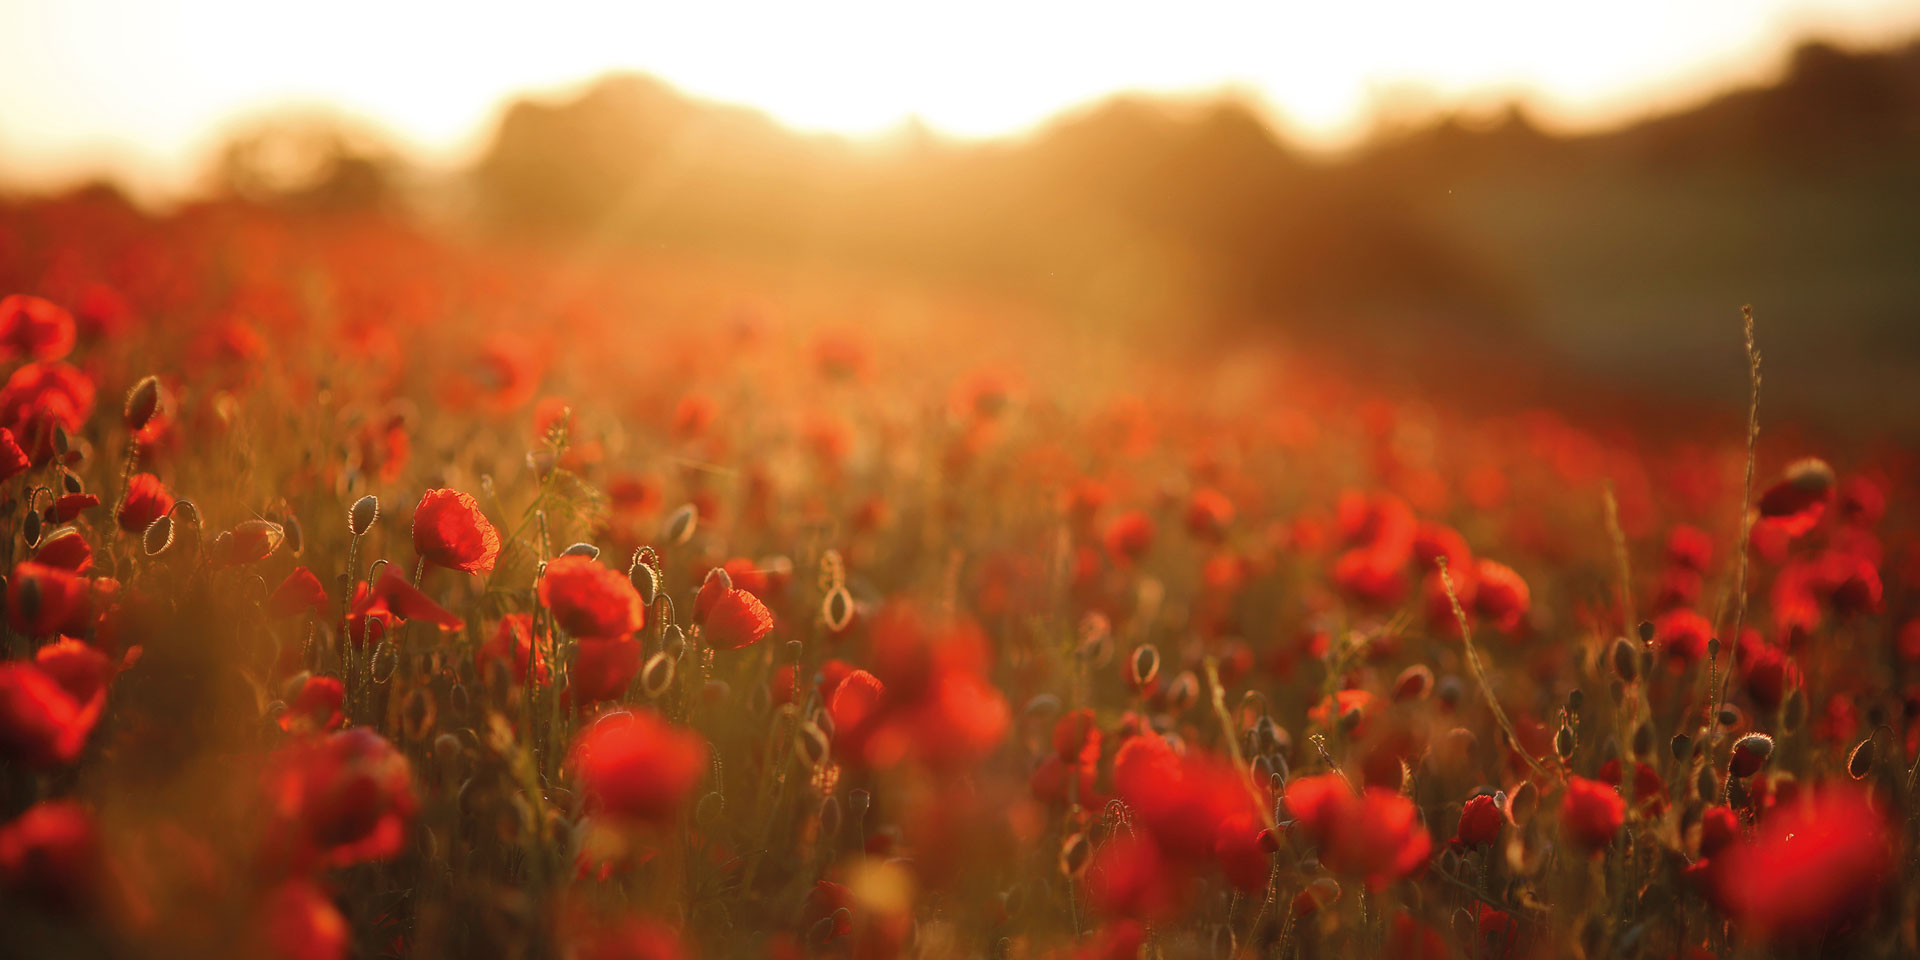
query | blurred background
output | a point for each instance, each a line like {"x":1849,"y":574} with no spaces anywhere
{"x":1577,"y":196}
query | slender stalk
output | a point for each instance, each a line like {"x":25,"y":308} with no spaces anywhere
{"x":1480,"y":673}
{"x":1746,"y":511}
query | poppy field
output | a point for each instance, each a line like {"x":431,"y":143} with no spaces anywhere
{"x":371,"y":593}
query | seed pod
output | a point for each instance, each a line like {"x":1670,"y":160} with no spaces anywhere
{"x":1074,"y":853}
{"x":1564,"y":742}
{"x":836,"y":610}
{"x":1143,"y":666}
{"x":1860,"y":759}
{"x":1681,"y":746}
{"x":158,"y":536}
{"x":1625,"y":660}
{"x":365,"y":511}
{"x":679,"y":525}
{"x":1750,"y":753}
{"x":143,"y":401}
{"x":1414,"y":683}
{"x":646,"y":580}
{"x":587,"y":550}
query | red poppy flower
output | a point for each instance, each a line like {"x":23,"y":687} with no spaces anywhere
{"x":1128,"y":877}
{"x":79,"y":669}
{"x":737,"y":619}
{"x":1681,"y":638}
{"x":1500,"y":595}
{"x":316,"y":708}
{"x":1809,"y":870}
{"x":34,"y":329}
{"x":1480,"y":822}
{"x":43,"y":600}
{"x":41,"y":396}
{"x":510,"y":645}
{"x":13,"y":460}
{"x":250,"y":541}
{"x":1375,"y":836}
{"x":450,"y":531}
{"x":147,"y":500}
{"x":1795,"y":503}
{"x":298,"y":594}
{"x":1129,"y":537}
{"x":1591,"y":814}
{"x":636,"y":766}
{"x":633,"y":938}
{"x":603,"y":668}
{"x":338,"y":800}
{"x":69,"y":505}
{"x":394,"y":599}
{"x":51,"y":854}
{"x":41,"y":724}
{"x":68,"y":551}
{"x":298,"y":921}
{"x":1209,"y":514}
{"x":1689,"y":547}
{"x":590,"y":600}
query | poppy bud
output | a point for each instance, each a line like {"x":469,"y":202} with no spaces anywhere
{"x":30,"y":530}
{"x":1184,"y":692}
{"x":1625,"y":660}
{"x":1750,"y":753}
{"x":646,"y":580}
{"x":1646,"y":631}
{"x":1860,"y":759}
{"x":1480,"y":821}
{"x":680,"y":524}
{"x":657,"y":675}
{"x":1729,"y":716}
{"x":250,"y":541}
{"x":1414,"y":683}
{"x":860,"y":801}
{"x":1576,"y":698}
{"x":1681,"y":746}
{"x":1144,"y":666}
{"x":365,"y":511}
{"x":1564,"y":742}
{"x":158,"y":536}
{"x":837,"y":609}
{"x":710,"y":809}
{"x":1268,"y":841}
{"x":1074,"y":853}
{"x":587,"y":550}
{"x":143,"y":401}
{"x":1642,"y":740}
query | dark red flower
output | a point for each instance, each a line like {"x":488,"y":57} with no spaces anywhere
{"x":510,"y":644}
{"x":1689,"y":547}
{"x":338,"y":800}
{"x":147,"y":500}
{"x":316,"y":707}
{"x":450,"y":531}
{"x":51,"y":855}
{"x":1480,"y":822}
{"x":1500,"y":595}
{"x":1809,"y":870}
{"x":737,"y":619}
{"x":299,"y":593}
{"x":1375,"y":835}
{"x":590,"y":600}
{"x":1129,"y":537}
{"x":79,"y":669}
{"x":1209,"y":513}
{"x":41,"y":396}
{"x":1591,"y":814}
{"x":34,"y":329}
{"x":636,"y":766}
{"x":393,"y":598}
{"x":41,"y":724}
{"x":603,"y":668}
{"x":67,"y":506}
{"x":1796,"y":502}
{"x":68,"y":551}
{"x":13,"y":460}
{"x":43,"y":600}
{"x":298,"y":921}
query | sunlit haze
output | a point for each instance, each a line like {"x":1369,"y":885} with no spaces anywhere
{"x":143,"y":90}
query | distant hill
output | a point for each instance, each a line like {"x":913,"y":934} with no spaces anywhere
{"x":1627,"y":252}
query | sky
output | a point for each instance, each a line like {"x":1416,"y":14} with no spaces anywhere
{"x":143,"y":90}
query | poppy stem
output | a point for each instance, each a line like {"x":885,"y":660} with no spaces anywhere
{"x":1746,"y":513}
{"x":1480,"y":674}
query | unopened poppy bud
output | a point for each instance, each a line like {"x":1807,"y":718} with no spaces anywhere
{"x":822,"y":931}
{"x":837,"y":609}
{"x":830,"y":818}
{"x":1681,"y":746}
{"x":1706,"y":784}
{"x":1576,"y":698}
{"x":680,"y":524}
{"x":1860,"y":759}
{"x":673,"y":640}
{"x":1642,"y":740}
{"x":1143,"y":666}
{"x":657,"y":675}
{"x":71,"y":483}
{"x":1625,"y":660}
{"x":1646,"y":631}
{"x":1269,"y":843}
{"x":250,"y":541}
{"x":1414,"y":683}
{"x":813,"y":744}
{"x":645,"y":580}
{"x":143,"y":401}
{"x":1729,"y":716}
{"x":1564,"y":742}
{"x":365,"y":511}
{"x":158,"y":536}
{"x":1750,"y":753}
{"x":583,"y":549}
{"x":30,"y":529}
{"x":62,"y":443}
{"x":1074,"y":853}
{"x":859,"y":801}
{"x":1183,"y":692}
{"x":459,"y":701}
{"x":717,"y":578}
{"x":710,"y":809}
{"x":1616,"y":691}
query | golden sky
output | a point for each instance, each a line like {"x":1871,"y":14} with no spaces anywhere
{"x":141,"y":89}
